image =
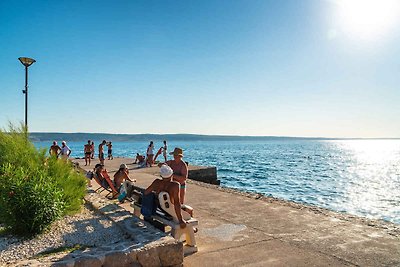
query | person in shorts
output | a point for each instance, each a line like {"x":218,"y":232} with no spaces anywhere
{"x":54,"y":149}
{"x":109,"y":152}
{"x":101,"y":152}
{"x":87,"y":149}
{"x":65,"y":151}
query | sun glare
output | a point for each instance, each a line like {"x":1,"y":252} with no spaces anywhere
{"x":367,"y":19}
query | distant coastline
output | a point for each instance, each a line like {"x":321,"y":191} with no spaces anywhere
{"x":82,"y":137}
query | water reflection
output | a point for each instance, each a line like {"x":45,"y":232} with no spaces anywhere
{"x":373,"y":177}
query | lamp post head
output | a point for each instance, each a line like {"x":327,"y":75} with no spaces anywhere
{"x":26,"y":61}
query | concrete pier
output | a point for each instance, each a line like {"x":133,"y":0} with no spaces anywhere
{"x":240,"y":229}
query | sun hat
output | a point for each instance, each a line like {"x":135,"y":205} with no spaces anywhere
{"x":177,"y":152}
{"x":123,"y":166}
{"x":166,"y":171}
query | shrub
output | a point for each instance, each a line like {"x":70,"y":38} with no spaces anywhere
{"x":34,"y":190}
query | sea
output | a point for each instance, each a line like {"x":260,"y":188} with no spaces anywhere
{"x":358,"y":177}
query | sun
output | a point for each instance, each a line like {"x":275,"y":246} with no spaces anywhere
{"x":367,"y":19}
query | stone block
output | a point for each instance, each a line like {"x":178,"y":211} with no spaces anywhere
{"x":117,"y":259}
{"x":88,"y":261}
{"x":149,"y":257}
{"x":171,"y":254}
{"x":64,"y":263}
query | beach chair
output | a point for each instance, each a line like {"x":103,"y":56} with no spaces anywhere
{"x":106,"y":184}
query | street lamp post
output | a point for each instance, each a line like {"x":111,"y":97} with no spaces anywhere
{"x":26,"y":61}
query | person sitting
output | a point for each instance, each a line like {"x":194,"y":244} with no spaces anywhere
{"x":171,"y":187}
{"x":139,"y":159}
{"x":121,"y":175}
{"x":103,"y":179}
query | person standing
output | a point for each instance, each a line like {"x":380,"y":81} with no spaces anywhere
{"x":65,"y":150}
{"x":150,"y":154}
{"x":54,"y":149}
{"x":180,"y":170}
{"x":101,"y":152}
{"x":92,"y":150}
{"x":109,"y":152}
{"x":87,"y":149}
{"x":165,"y":151}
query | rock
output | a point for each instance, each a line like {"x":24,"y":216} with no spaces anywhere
{"x":171,"y":255}
{"x":148,"y":257}
{"x":68,"y":263}
{"x":88,"y":261}
{"x":117,"y":259}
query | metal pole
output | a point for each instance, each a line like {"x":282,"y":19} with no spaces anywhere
{"x":26,"y":98}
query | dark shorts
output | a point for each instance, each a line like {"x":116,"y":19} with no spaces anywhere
{"x":109,"y":151}
{"x":101,"y":156}
{"x":88,"y":153}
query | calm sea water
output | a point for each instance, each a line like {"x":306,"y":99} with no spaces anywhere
{"x":360,"y":177}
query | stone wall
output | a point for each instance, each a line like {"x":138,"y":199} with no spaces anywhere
{"x":142,"y":245}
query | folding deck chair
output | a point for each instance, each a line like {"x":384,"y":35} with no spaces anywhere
{"x":106,"y":185}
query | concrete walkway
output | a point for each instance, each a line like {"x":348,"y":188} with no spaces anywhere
{"x":238,"y":229}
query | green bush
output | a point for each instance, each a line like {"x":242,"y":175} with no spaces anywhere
{"x":34,"y":190}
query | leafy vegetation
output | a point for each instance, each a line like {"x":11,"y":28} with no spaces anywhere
{"x":35,"y":190}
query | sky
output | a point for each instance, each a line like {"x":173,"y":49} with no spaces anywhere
{"x":310,"y":68}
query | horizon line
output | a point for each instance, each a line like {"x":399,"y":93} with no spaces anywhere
{"x":221,"y":135}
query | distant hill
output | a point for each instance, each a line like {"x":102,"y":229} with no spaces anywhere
{"x":82,"y":137}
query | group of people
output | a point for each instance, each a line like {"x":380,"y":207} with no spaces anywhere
{"x":63,"y":152}
{"x":150,"y":158}
{"x":174,"y":174}
{"x":121,"y":178}
{"x":88,"y":150}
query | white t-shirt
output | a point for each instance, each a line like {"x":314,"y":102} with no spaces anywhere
{"x":64,"y":150}
{"x":150,"y":150}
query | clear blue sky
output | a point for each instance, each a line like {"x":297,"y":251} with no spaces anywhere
{"x":287,"y":68}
